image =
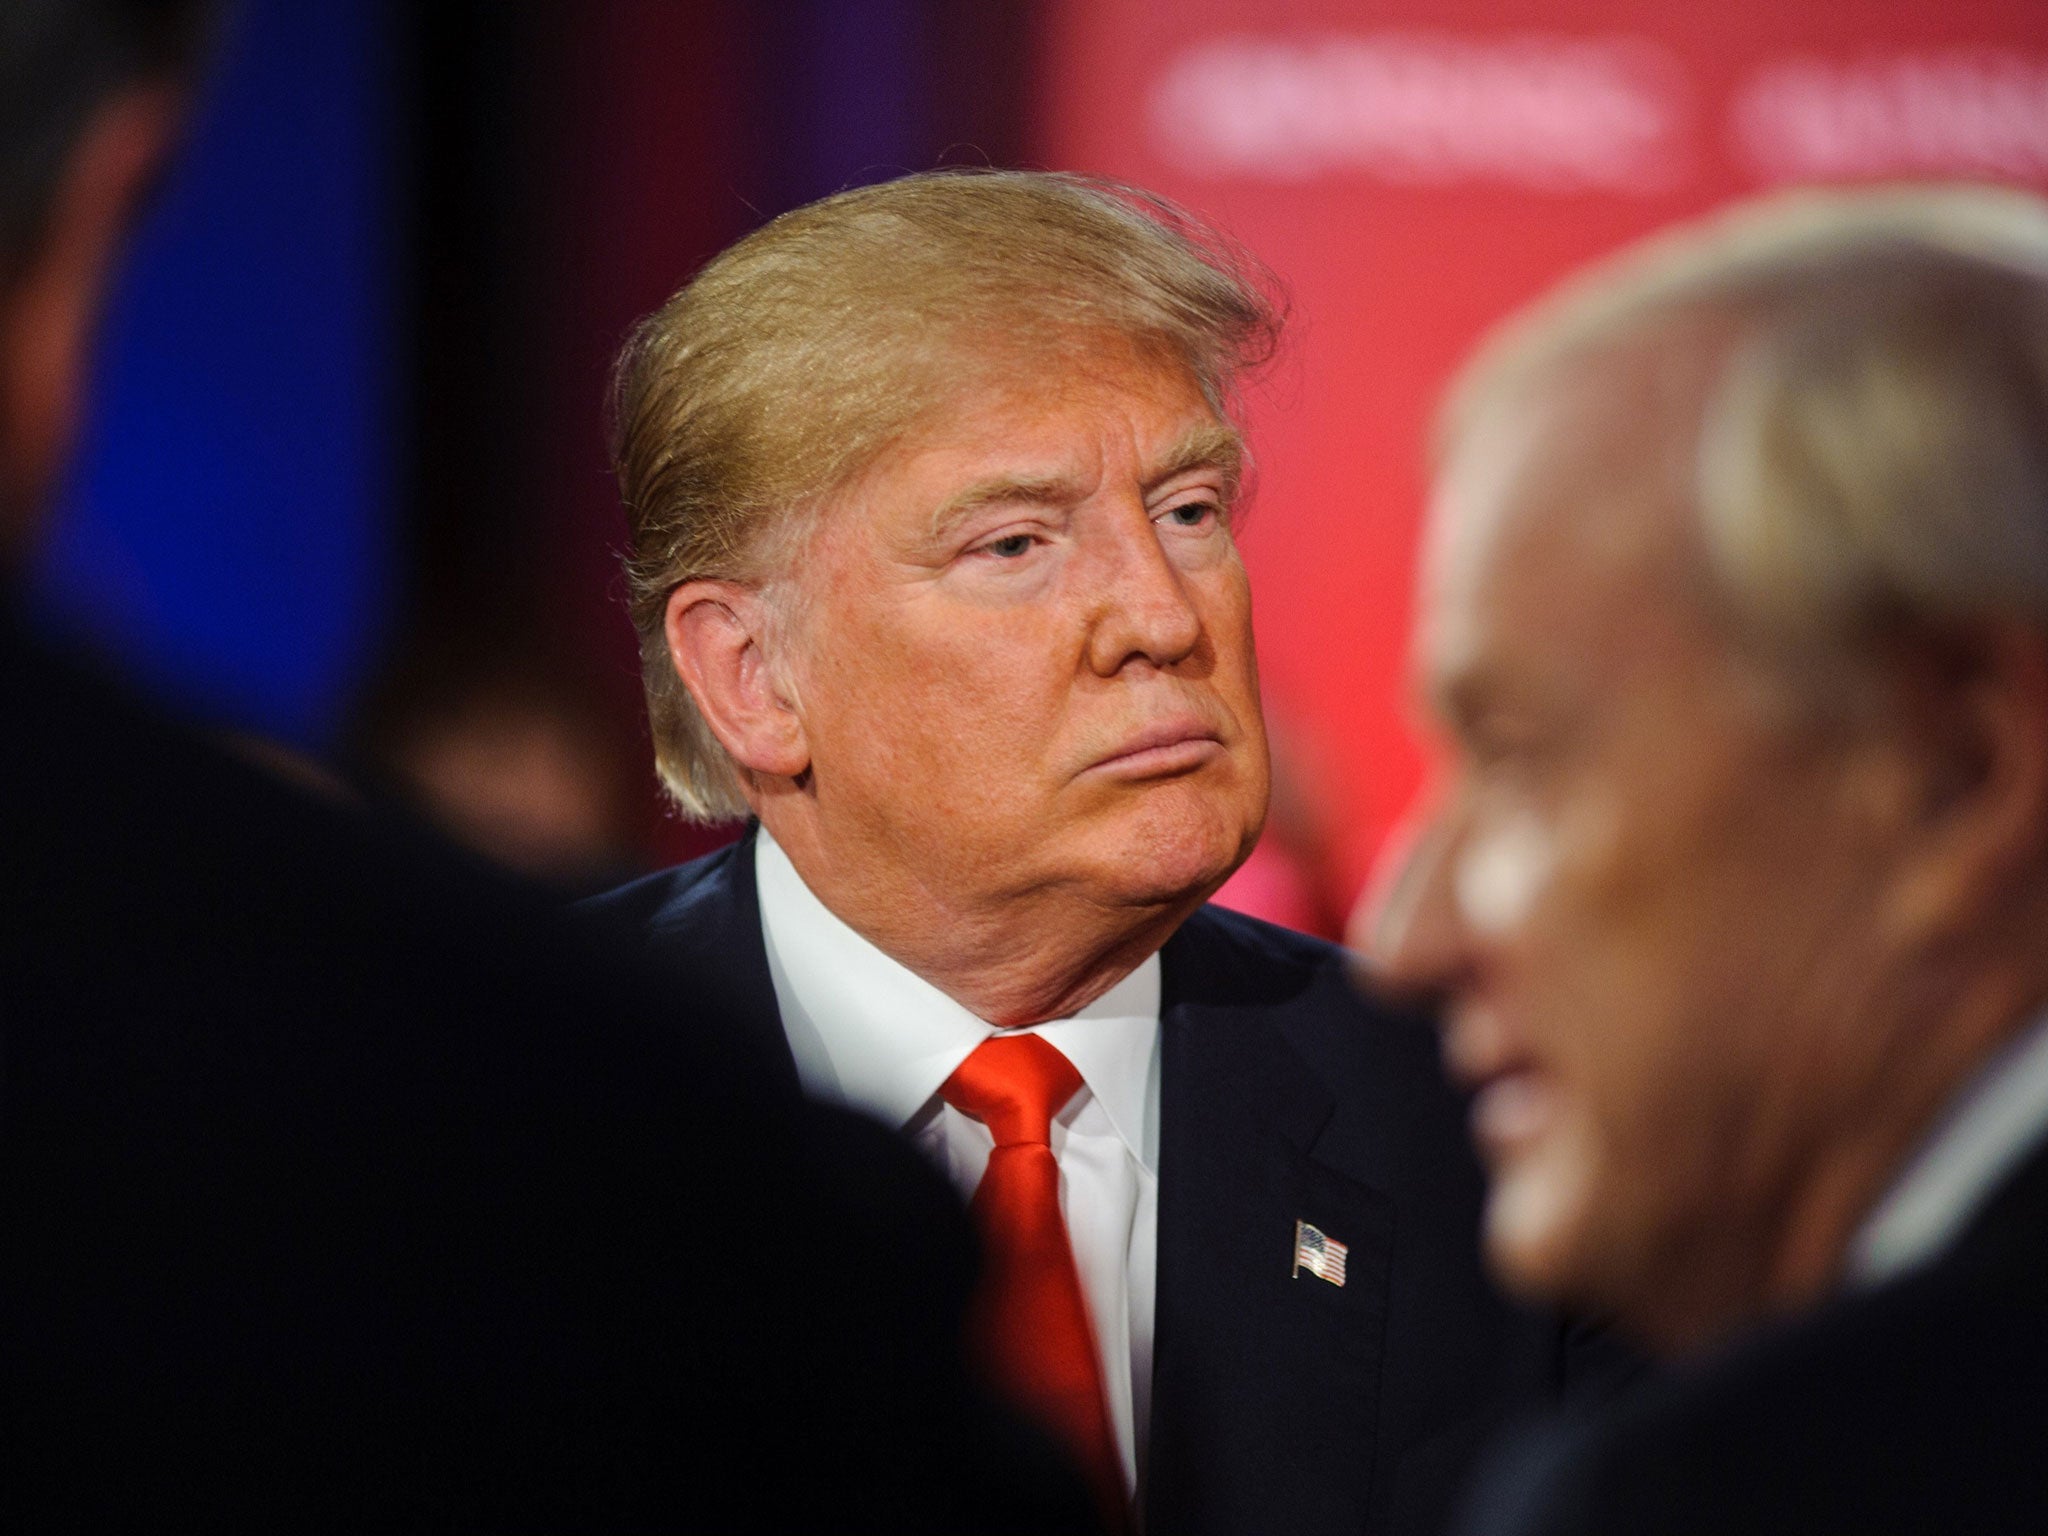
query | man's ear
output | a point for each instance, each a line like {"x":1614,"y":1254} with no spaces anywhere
{"x":718,"y":641}
{"x":1982,"y":720}
{"x":49,"y":315}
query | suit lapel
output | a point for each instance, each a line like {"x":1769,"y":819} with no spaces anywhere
{"x":1265,"y":1384}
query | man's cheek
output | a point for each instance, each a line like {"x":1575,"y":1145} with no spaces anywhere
{"x":1502,"y":872}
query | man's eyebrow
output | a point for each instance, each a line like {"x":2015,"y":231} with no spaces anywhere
{"x":1038,"y":490}
{"x":1212,"y":445}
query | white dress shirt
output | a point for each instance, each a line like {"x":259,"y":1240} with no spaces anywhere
{"x":1994,"y":1124}
{"x":869,"y":1033}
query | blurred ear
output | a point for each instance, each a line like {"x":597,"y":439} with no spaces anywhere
{"x":50,"y":313}
{"x":718,"y":641}
{"x":1980,"y":713}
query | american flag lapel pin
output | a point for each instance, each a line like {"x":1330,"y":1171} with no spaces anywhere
{"x":1321,"y":1256}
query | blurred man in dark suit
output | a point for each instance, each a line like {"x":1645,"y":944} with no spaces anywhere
{"x":1736,"y":610}
{"x":336,"y":1190}
{"x":933,"y":487}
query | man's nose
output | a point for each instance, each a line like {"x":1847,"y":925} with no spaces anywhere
{"x":1410,"y":934}
{"x":1142,"y":607}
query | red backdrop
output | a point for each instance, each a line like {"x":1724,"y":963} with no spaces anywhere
{"x":1413,"y":170}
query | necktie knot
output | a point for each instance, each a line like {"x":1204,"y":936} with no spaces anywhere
{"x":1013,"y":1084}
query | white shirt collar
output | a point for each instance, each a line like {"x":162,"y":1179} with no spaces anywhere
{"x":1984,"y":1134}
{"x":870,"y":1033}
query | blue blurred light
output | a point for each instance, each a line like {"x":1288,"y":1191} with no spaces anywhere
{"x":227,"y":533}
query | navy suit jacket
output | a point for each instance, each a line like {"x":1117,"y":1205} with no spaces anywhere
{"x":1279,"y":1403}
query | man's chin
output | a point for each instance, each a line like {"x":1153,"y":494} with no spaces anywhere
{"x":1534,"y":1231}
{"x":1157,"y":888}
{"x":1164,"y":854}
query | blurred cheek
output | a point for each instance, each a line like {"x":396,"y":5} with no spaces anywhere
{"x":1544,"y":885}
{"x":1500,"y":873}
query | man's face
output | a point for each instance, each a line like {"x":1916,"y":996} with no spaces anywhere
{"x":1646,"y":888}
{"x":1023,"y":647}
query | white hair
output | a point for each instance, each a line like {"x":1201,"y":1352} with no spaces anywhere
{"x":1873,"y":450}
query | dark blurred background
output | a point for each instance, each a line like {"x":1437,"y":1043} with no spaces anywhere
{"x":347,"y":489}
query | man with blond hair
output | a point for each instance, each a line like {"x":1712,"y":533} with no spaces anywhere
{"x":932,"y":488}
{"x":1736,"y":608}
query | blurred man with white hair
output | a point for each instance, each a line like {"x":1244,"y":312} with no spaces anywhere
{"x":1735,"y":608}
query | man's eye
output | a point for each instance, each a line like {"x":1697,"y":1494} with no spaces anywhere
{"x":1009,"y":548}
{"x":1191,"y":514}
{"x":1507,"y":756}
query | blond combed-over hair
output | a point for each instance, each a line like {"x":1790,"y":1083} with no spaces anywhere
{"x":793,"y":360}
{"x":1872,"y":457}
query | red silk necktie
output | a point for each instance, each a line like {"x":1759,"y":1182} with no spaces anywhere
{"x":1029,"y":1322}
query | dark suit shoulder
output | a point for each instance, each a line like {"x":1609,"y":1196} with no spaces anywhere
{"x":1912,"y":1406}
{"x":1375,"y":1055}
{"x":644,"y":909}
{"x":696,"y":928}
{"x":1258,"y":956}
{"x":1230,"y":958}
